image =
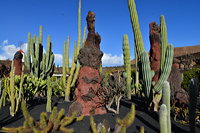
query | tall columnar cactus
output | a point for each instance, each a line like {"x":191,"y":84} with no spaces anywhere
{"x":70,"y":78}
{"x":147,"y":74}
{"x":163,"y":119}
{"x":127,"y":64}
{"x":139,"y":45}
{"x":193,"y":93}
{"x":39,"y":64}
{"x":136,"y":70}
{"x":49,"y":95}
{"x":164,"y":40}
{"x":64,"y":63}
{"x":79,"y":27}
{"x":12,"y":91}
{"x":67,"y":55}
{"x":166,"y":101}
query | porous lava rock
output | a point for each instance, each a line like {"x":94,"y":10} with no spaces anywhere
{"x":18,"y":62}
{"x":87,"y":101}
{"x":155,"y":50}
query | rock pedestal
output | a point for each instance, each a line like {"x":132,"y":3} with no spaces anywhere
{"x":87,"y":101}
{"x":155,"y":50}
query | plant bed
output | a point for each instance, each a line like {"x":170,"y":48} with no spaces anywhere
{"x":142,"y":118}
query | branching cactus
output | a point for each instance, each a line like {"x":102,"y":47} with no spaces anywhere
{"x":166,"y":101}
{"x":127,"y":64}
{"x":193,"y":93}
{"x":39,"y":64}
{"x":163,"y":119}
{"x":49,"y":95}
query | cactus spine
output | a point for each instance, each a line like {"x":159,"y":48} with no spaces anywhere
{"x":166,"y":101}
{"x":163,"y":119}
{"x":193,"y":92}
{"x":127,"y":64}
{"x":164,"y":40}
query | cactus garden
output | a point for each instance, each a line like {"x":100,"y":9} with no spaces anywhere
{"x":155,"y":90}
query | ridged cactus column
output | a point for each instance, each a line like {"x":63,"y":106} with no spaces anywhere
{"x":193,"y":93}
{"x":164,"y":40}
{"x":163,"y":119}
{"x":166,"y":101}
{"x":127,"y":64}
{"x":136,"y":27}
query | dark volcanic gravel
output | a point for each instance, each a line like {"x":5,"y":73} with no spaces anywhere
{"x":142,"y":118}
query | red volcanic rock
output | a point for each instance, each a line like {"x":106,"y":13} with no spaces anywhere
{"x":155,"y":50}
{"x":87,"y":101}
{"x":18,"y":63}
{"x":86,"y":92}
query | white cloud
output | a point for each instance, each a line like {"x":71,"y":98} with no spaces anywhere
{"x":58,"y":59}
{"x":112,"y":60}
{"x":8,"y":51}
{"x":5,"y":42}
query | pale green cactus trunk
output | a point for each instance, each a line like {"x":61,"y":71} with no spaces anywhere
{"x":64,"y":63}
{"x":163,"y":119}
{"x":166,"y":101}
{"x":193,"y":93}
{"x":127,"y":64}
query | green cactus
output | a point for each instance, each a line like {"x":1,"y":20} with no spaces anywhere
{"x":64,"y":63}
{"x":67,"y":55}
{"x":166,"y":101}
{"x":126,"y":121}
{"x":70,"y":78}
{"x":164,"y":41}
{"x":163,"y":118}
{"x":166,"y":69}
{"x":49,"y":95}
{"x":147,"y":74}
{"x":127,"y":64}
{"x":42,"y":64}
{"x":139,"y":45}
{"x":193,"y":93}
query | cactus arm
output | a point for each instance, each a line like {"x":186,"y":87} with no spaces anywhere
{"x":164,"y":40}
{"x":67,"y":55}
{"x":79,"y":27}
{"x":78,"y":66}
{"x":93,"y":125}
{"x":166,"y":70}
{"x":69,"y":80}
{"x":64,"y":64}
{"x":146,"y":73}
{"x":127,"y":64}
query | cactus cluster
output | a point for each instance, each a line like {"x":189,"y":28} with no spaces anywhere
{"x":143,"y":58}
{"x":57,"y":121}
{"x":121,"y":126}
{"x":73,"y":73}
{"x":40,"y":64}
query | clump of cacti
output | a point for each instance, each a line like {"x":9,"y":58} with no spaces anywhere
{"x":40,"y":64}
{"x":150,"y":87}
{"x":121,"y":124}
{"x":57,"y":121}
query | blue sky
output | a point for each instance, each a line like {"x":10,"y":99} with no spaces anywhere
{"x":59,"y":20}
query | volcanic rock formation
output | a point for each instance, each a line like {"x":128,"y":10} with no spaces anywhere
{"x":87,"y":101}
{"x":18,"y":62}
